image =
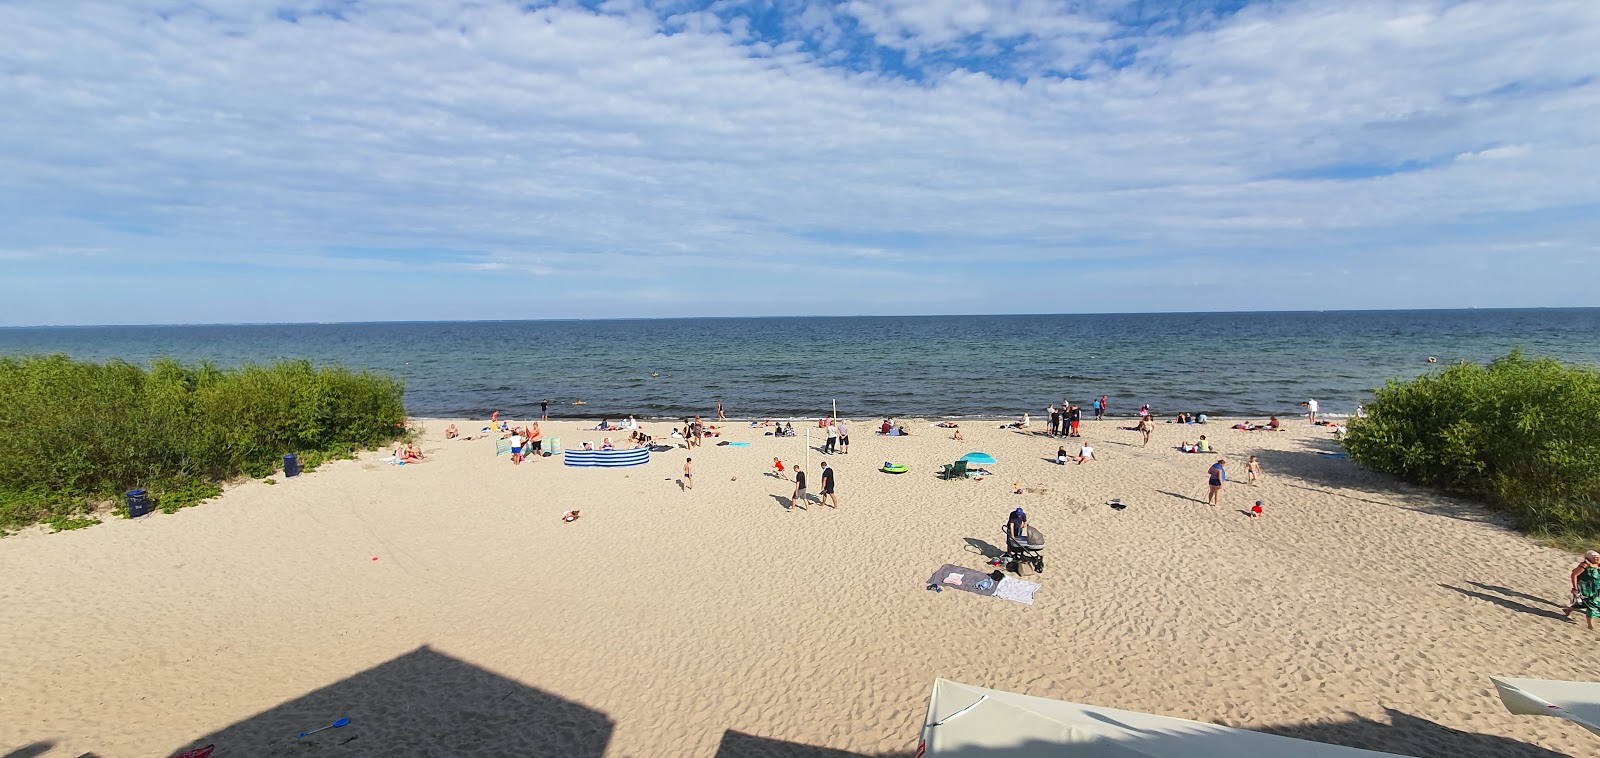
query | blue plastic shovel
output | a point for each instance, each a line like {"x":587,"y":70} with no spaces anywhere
{"x":334,"y":725}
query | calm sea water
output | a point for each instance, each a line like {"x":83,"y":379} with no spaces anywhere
{"x":1247,"y":364}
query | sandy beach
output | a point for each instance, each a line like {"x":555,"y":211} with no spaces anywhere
{"x":445,"y":609}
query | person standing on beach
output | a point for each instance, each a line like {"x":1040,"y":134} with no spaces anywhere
{"x":1252,"y":470}
{"x":544,"y":409}
{"x":1146,"y":426}
{"x":827,"y":487}
{"x":688,"y":473}
{"x":832,"y":445}
{"x":720,"y":417}
{"x":844,"y":437}
{"x":516,"y":448}
{"x":1586,"y":588}
{"x":536,"y":441}
{"x":1074,"y":415}
{"x":1311,"y":408}
{"x":798,"y":499}
{"x":1218,"y":475}
{"x":1100,"y":408}
{"x":1055,"y":420}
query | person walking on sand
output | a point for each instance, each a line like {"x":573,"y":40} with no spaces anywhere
{"x":1146,"y":426}
{"x":799,"y":498}
{"x":1311,"y":408}
{"x":1586,"y":588}
{"x":832,"y":445}
{"x":720,"y":417}
{"x":777,"y":469}
{"x":844,"y":437}
{"x":1252,"y":470}
{"x":1218,"y":475}
{"x":688,"y":473}
{"x":1100,"y":408}
{"x":827,"y":487}
{"x":544,"y":409}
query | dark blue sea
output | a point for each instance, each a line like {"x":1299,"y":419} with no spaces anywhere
{"x":1240,"y":364}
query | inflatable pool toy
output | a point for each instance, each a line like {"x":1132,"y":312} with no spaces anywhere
{"x":893,"y":468}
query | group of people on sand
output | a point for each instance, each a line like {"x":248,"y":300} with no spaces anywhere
{"x":890,"y":429}
{"x":525,"y":442}
{"x":408,"y":452}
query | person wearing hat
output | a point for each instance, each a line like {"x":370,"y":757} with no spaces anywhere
{"x":1017,"y":526}
{"x":1586,"y":588}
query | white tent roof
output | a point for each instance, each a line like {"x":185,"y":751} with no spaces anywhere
{"x":1574,"y":701}
{"x":973,"y":722}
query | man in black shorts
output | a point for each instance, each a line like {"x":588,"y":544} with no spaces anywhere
{"x":827,"y":487}
{"x":544,"y":410}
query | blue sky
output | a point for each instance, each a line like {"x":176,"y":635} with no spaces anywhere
{"x":180,"y":161}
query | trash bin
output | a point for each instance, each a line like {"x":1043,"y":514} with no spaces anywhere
{"x":291,"y":465}
{"x":138,"y":503}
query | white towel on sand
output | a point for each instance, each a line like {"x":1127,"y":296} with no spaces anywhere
{"x":1019,"y":590}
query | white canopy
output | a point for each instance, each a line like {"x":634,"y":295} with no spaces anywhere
{"x":1578,"y":702}
{"x":973,"y":722}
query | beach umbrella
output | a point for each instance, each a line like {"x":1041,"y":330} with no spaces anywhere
{"x":982,"y":459}
{"x":1578,"y":702}
{"x":964,"y":721}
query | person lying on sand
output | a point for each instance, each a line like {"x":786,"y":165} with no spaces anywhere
{"x":946,"y":425}
{"x":570,"y":516}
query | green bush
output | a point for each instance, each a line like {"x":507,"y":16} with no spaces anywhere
{"x":1521,"y":434}
{"x":72,"y":432}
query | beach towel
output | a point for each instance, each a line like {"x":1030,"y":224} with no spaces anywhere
{"x":1016,"y":590}
{"x":953,"y":577}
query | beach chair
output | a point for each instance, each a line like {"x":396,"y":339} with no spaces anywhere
{"x":957,"y":469}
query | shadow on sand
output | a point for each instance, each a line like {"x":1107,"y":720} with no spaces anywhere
{"x":422,"y":703}
{"x":1345,"y":479}
{"x":1508,"y":603}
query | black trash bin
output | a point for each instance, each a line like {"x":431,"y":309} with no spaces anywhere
{"x":138,"y":503}
{"x":291,"y":465}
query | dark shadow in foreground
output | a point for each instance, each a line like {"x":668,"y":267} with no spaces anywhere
{"x":424,"y":703}
{"x":741,"y":745}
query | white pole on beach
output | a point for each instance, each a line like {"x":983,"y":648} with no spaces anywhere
{"x":808,"y":446}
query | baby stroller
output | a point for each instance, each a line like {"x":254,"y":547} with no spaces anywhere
{"x":1023,"y":556}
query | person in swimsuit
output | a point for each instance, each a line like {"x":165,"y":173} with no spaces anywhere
{"x":1145,"y":427}
{"x":688,"y":473}
{"x":1252,"y":470}
{"x":1217,"y":475}
{"x":450,"y":433}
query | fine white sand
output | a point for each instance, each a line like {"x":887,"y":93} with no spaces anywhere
{"x":446,"y":610}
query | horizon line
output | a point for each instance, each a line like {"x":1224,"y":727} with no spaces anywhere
{"x":770,"y":317}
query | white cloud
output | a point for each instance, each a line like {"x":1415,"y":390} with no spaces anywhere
{"x":219,"y":131}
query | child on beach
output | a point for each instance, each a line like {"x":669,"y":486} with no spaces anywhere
{"x":777,"y":468}
{"x":1253,"y":469}
{"x":688,"y":473}
{"x":1255,"y":510}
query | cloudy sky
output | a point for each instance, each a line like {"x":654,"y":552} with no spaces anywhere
{"x":176,"y":161}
